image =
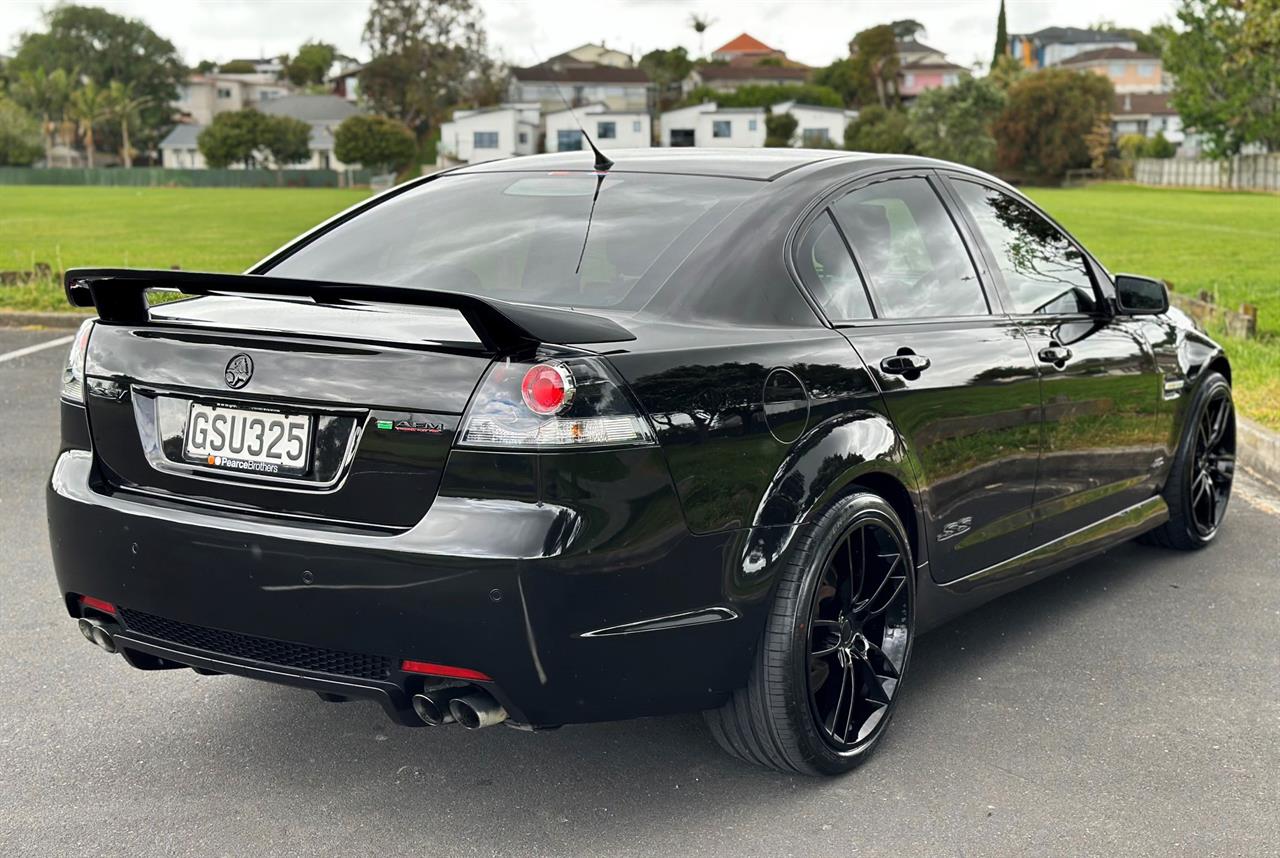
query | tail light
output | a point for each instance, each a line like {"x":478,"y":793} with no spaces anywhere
{"x":73,"y":373}
{"x":552,"y":404}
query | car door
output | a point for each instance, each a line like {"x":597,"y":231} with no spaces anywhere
{"x":956,"y":375}
{"x":1100,"y":387}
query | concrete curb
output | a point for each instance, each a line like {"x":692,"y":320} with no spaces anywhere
{"x":17,"y":319}
{"x":1258,"y":450}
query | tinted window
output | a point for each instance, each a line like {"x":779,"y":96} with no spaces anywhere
{"x":828,"y":271}
{"x":1043,"y":271}
{"x":910,"y":251}
{"x":525,"y":237}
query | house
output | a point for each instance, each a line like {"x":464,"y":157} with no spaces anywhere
{"x":727,"y":78}
{"x":708,"y":124}
{"x":817,"y":125}
{"x":203,"y":96}
{"x":324,"y":113}
{"x":1129,"y":70}
{"x":921,"y":68}
{"x":1148,"y":114}
{"x":490,"y":133}
{"x":594,"y":55}
{"x":1052,"y":45}
{"x":552,"y":85}
{"x":746,"y":49}
{"x":345,"y":83}
{"x":609,"y":129}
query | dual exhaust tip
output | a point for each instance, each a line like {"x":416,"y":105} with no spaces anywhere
{"x":97,"y":633}
{"x":465,"y":705}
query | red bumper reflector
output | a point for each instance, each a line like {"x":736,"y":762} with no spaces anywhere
{"x":442,"y":670}
{"x":97,"y":604}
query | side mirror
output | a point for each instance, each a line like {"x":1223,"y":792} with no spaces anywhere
{"x":1140,"y":296}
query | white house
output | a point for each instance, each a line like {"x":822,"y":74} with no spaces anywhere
{"x":490,"y":133}
{"x":817,"y":125}
{"x":203,"y":96}
{"x":553,"y":84}
{"x":609,"y":129}
{"x":707,"y":124}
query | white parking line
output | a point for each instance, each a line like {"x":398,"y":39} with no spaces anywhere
{"x":29,"y":350}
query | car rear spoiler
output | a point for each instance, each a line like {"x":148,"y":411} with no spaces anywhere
{"x":119,"y":295}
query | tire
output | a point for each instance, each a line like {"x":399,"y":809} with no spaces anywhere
{"x":782,"y":718}
{"x":1200,"y":460}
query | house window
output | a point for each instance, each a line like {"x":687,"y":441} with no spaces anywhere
{"x":1116,"y":69}
{"x":753,"y":124}
{"x":324,"y":158}
{"x":910,"y":81}
{"x":568,"y":139}
{"x":607,"y":130}
{"x":1146,"y":69}
{"x":721,"y":128}
{"x":636,"y":127}
{"x":815,"y":136}
{"x":485,"y":140}
{"x":224,"y":92}
{"x":950,"y":80}
{"x":524,"y":137}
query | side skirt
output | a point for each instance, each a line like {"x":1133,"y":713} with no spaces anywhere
{"x":1067,"y":549}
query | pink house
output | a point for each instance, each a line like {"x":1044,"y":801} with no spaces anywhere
{"x":921,"y":67}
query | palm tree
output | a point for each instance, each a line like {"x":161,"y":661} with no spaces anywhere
{"x":46,"y":95}
{"x":89,"y":108}
{"x":700,"y":24}
{"x":123,"y":105}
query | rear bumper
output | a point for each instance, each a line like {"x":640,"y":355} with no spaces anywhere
{"x":549,"y":601}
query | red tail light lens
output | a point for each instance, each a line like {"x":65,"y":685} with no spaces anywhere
{"x":429,"y":669}
{"x":547,"y":388}
{"x":97,"y":604}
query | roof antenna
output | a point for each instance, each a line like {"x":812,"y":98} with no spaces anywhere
{"x":602,"y":162}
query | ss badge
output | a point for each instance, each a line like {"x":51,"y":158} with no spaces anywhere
{"x":952,"y":529}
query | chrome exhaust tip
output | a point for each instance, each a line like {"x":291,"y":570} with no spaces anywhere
{"x":433,"y":707}
{"x":476,"y":710}
{"x":98,"y":634}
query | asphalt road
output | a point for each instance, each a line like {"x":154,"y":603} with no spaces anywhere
{"x":1130,"y":706}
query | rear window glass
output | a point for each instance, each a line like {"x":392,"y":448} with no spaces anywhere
{"x":527,"y":237}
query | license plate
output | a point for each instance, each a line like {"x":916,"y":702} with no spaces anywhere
{"x":238,"y":439}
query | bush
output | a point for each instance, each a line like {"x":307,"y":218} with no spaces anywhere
{"x":779,"y":128}
{"x":1042,"y":131}
{"x":19,"y":136}
{"x":1158,"y":147}
{"x":878,"y":129}
{"x":374,"y":141}
{"x":954,"y":123}
{"x":1131,"y":146}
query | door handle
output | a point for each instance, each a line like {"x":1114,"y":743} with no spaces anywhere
{"x":904,"y":364}
{"x":1055,"y":354}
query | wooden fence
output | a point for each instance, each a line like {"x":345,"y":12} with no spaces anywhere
{"x":1239,"y":173}
{"x":1201,"y":308}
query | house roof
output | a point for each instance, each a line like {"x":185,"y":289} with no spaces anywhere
{"x":582,"y":111}
{"x":310,"y":108}
{"x":1143,"y":104}
{"x":924,"y":65}
{"x":744,"y":44}
{"x":1074,"y":36}
{"x":182,"y":137}
{"x":1106,"y":54}
{"x":911,"y":46}
{"x":583,"y":74}
{"x":715,"y":72}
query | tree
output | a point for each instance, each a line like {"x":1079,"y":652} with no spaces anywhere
{"x":1225,"y":61}
{"x":879,"y":129}
{"x":428,"y":55}
{"x":1005,"y":71}
{"x":103,"y":46}
{"x":1041,"y":131}
{"x":874,"y":53}
{"x":779,"y":129}
{"x":1158,"y":147}
{"x":232,"y":138}
{"x":88,"y":108}
{"x":310,"y":66}
{"x":19,"y":136}
{"x":700,"y":25}
{"x":1002,"y":37}
{"x":238,"y":67}
{"x":1148,"y":43}
{"x":374,"y":141}
{"x":45,"y":95}
{"x":841,"y":77}
{"x":124,"y":105}
{"x":667,"y":69}
{"x":954,"y":123}
{"x":284,"y":140}
{"x":907,"y":28}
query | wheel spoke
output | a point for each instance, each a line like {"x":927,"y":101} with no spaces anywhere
{"x":835,"y":711}
{"x":1218,"y":423}
{"x":876,"y":692}
{"x":829,"y":626}
{"x":888,"y":589}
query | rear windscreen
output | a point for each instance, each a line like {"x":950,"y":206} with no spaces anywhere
{"x":573,"y":239}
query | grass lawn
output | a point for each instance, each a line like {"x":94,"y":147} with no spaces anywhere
{"x":1225,"y":243}
{"x":203,"y":229}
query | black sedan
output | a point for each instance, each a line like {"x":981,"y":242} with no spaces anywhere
{"x":555,"y":440}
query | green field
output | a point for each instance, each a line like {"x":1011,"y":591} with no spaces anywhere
{"x":1226,"y":243}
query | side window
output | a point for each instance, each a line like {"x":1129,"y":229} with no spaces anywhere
{"x":1043,"y":271}
{"x":827,"y":269}
{"x":910,"y":252}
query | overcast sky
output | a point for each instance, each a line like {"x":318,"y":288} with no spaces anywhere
{"x":520,"y":31}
